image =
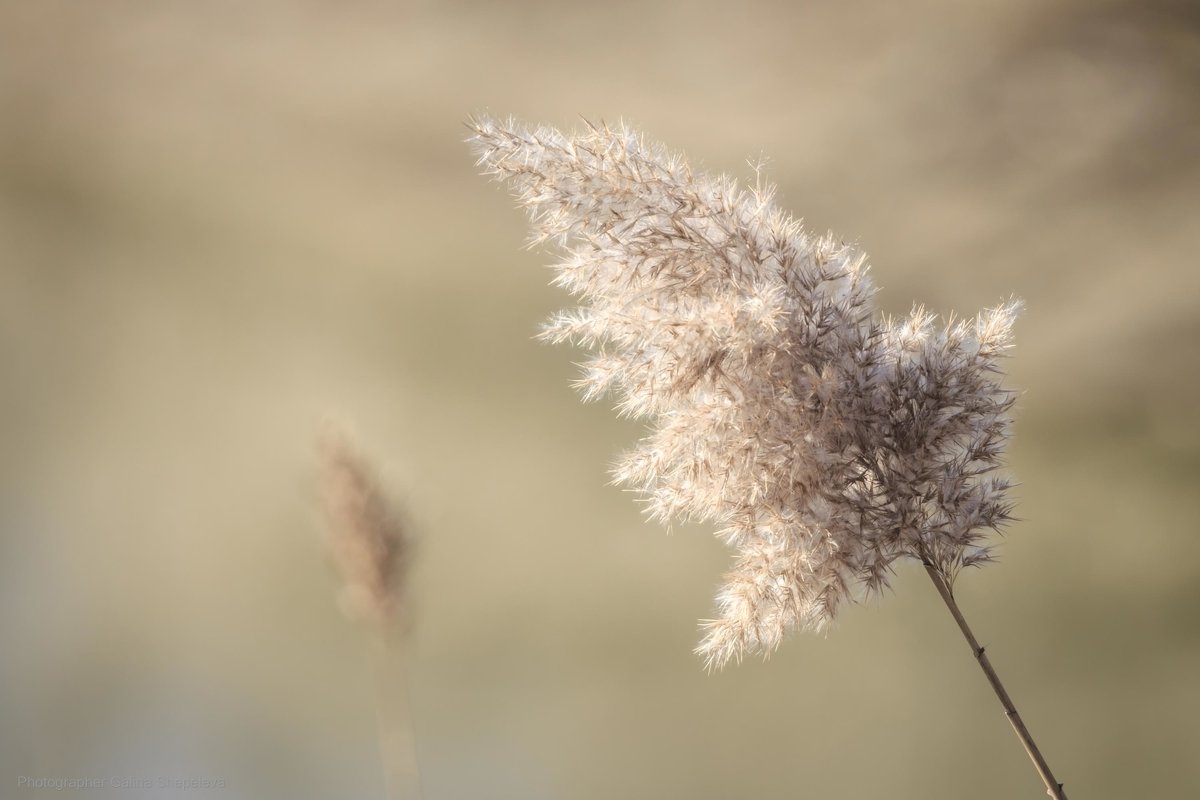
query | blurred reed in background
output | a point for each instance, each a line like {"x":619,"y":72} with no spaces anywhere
{"x":371,"y":544}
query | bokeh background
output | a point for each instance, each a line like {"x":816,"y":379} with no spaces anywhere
{"x":221,"y":221}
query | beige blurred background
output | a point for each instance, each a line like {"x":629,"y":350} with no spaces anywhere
{"x":220,"y":221}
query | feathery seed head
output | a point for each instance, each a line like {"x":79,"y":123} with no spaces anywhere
{"x":826,"y":441}
{"x":367,"y":538}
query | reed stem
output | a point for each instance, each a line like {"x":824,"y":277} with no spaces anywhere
{"x":1053,"y":788}
{"x":397,"y":745}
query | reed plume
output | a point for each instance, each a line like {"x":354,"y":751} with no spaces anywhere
{"x":826,"y":441}
{"x":366,"y":535}
{"x":370,"y":543}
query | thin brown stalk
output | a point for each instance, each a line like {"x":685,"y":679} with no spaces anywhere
{"x":1053,"y":788}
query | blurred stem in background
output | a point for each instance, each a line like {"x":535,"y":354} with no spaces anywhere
{"x":397,"y":744}
{"x":1053,"y":787}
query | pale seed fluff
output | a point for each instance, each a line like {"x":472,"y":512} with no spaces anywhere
{"x":825,"y":441}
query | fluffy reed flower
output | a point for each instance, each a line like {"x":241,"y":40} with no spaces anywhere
{"x":365,"y":533}
{"x":826,"y":441}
